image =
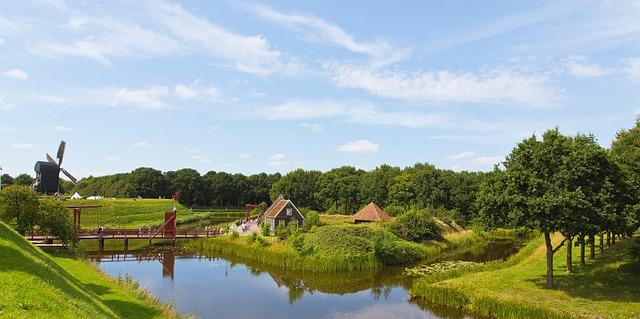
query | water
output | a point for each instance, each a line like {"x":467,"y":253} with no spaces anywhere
{"x":230,"y":288}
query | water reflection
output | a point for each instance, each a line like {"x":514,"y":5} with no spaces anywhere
{"x":227,"y":287}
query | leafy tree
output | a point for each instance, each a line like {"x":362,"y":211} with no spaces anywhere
{"x":376,"y":184}
{"x":299,"y":186}
{"x":66,"y":186}
{"x":24,"y":179}
{"x":6,"y":180}
{"x":191,"y":186}
{"x":312,"y":218}
{"x":339,"y":188}
{"x":55,"y":220}
{"x":146,"y":182}
{"x":492,"y":201}
{"x":416,"y":225}
{"x":19,"y":207}
{"x":625,"y":149}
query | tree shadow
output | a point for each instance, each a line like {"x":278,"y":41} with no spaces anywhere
{"x":599,"y":280}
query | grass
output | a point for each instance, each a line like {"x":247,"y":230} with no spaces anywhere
{"x":133,"y":213}
{"x":35,"y":285}
{"x":515,"y":289}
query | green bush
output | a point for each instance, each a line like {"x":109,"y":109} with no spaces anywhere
{"x":262,"y":242}
{"x":282,"y":232}
{"x":416,"y":225}
{"x":265,"y":229}
{"x":634,"y":250}
{"x":333,"y":210}
{"x":252,"y":238}
{"x":395,"y":251}
{"x":394,"y":210}
{"x":312,"y":219}
{"x":234,"y":234}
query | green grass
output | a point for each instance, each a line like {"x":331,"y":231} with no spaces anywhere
{"x":35,"y":285}
{"x":515,"y":289}
{"x":133,"y":213}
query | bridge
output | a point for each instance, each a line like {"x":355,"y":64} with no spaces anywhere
{"x":167,"y":230}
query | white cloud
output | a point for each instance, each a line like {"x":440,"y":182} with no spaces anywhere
{"x":185,"y":92}
{"x":359,"y":146}
{"x":316,"y":128}
{"x":277,"y":160}
{"x":111,"y":158}
{"x":201,"y":158}
{"x":351,"y":111}
{"x":8,"y":129}
{"x":488,"y":160}
{"x":245,"y":156}
{"x":147,"y":98}
{"x":1,"y":41}
{"x":23,"y":146}
{"x":380,"y":52}
{"x":250,"y":54}
{"x":633,"y":69}
{"x":463,"y":155}
{"x":61,"y":128}
{"x":140,"y":144}
{"x":17,"y":74}
{"x":498,"y":86}
{"x":214,"y":128}
{"x":5,"y":105}
{"x":576,"y":66}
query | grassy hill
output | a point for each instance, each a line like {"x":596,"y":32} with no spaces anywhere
{"x":601,"y":289}
{"x":131,"y":213}
{"x":35,"y":285}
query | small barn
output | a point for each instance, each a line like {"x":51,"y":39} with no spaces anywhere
{"x":283,"y":211}
{"x":370,"y":213}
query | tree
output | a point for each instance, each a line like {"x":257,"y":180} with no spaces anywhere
{"x":19,"y":207}
{"x":534,"y":186}
{"x":339,"y":188}
{"x":24,"y":179}
{"x":221,"y":188}
{"x":299,"y":186}
{"x":626,"y":151}
{"x":416,"y":225}
{"x":375,"y":185}
{"x":55,"y":220}
{"x":191,"y":186}
{"x":146,"y":182}
{"x":6,"y":180}
{"x":492,"y":201}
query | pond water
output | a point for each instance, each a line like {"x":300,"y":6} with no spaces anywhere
{"x":225,"y":287}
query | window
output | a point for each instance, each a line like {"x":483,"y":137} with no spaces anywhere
{"x":289,"y":211}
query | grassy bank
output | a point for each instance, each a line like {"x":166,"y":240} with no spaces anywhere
{"x":35,"y":285}
{"x":515,"y":289}
{"x":133,"y":213}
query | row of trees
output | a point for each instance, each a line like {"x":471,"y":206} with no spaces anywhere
{"x":566,"y":184}
{"x":26,"y":180}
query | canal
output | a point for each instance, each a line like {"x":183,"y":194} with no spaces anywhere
{"x":225,"y":287}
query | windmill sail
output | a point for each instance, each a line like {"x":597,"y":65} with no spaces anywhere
{"x":61,"y":148}
{"x":51,"y":160}
{"x":73,"y":179}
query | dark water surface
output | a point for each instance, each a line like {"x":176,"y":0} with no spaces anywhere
{"x":228,"y":288}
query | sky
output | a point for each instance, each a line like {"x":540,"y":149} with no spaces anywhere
{"x":257,"y":86}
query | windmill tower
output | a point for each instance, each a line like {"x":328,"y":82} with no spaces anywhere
{"x":48,"y":173}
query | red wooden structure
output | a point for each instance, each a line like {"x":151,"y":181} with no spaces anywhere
{"x":176,"y":197}
{"x":77,"y":209}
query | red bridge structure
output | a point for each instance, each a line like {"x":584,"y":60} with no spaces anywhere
{"x":167,"y":230}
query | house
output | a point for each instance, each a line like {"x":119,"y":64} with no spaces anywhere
{"x":283,"y":211}
{"x":370,"y":213}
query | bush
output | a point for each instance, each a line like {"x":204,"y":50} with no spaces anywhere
{"x":634,"y":250}
{"x":416,"y":225}
{"x":234,"y":234}
{"x":55,"y":220}
{"x":297,"y":242}
{"x":265,"y":229}
{"x":393,"y":251}
{"x":252,"y":238}
{"x":282,"y":232}
{"x":262,"y":242}
{"x":333,"y":210}
{"x":312,"y":219}
{"x":394,"y":210}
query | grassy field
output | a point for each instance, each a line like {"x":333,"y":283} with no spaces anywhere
{"x":598,"y":290}
{"x":35,"y":285}
{"x":133,"y":213}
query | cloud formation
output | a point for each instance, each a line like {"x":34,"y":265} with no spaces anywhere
{"x":359,"y":147}
{"x":17,"y":74}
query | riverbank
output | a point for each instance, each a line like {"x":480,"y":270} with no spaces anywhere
{"x":515,"y":289}
{"x":36,"y":285}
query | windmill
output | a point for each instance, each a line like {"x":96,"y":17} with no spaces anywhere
{"x":48,"y":173}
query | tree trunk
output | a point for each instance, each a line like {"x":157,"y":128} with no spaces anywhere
{"x":547,"y":241}
{"x":569,"y":254}
{"x":601,"y":243}
{"x":592,"y":248}
{"x":582,"y":251}
{"x":608,"y":239}
{"x":613,"y":239}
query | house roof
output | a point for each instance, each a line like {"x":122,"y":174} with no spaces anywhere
{"x":371,"y":213}
{"x":277,"y":206}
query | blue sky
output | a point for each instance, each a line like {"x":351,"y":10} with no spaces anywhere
{"x":243,"y":86}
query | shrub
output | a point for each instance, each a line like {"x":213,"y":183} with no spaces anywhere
{"x":234,"y":234}
{"x":312,"y":219}
{"x":333,"y":210}
{"x":394,"y":210}
{"x":252,"y":238}
{"x":265,"y":229}
{"x":416,"y":225}
{"x":394,"y":251}
{"x":634,"y":250}
{"x":282,"y":232}
{"x":262,"y":242}
{"x":297,"y":242}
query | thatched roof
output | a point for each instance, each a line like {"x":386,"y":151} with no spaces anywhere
{"x":371,"y":213}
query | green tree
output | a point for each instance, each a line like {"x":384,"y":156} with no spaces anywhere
{"x":24,"y":179}
{"x":625,"y":149}
{"x":55,"y":220}
{"x":339,"y":188}
{"x":416,"y":225}
{"x":6,"y":180}
{"x":376,"y":185}
{"x":299,"y":186}
{"x":191,"y":186}
{"x":146,"y":182}
{"x":19,"y":207}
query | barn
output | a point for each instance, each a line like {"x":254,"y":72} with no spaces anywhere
{"x":283,"y":211}
{"x":371,"y":213}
